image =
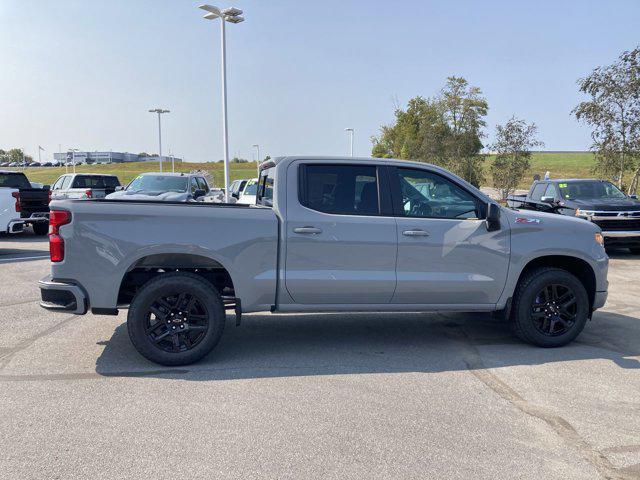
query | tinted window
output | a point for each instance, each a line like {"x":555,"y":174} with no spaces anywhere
{"x":538,"y":190}
{"x":193,"y":184}
{"x":88,"y":181}
{"x":265,"y":192}
{"x":14,"y":180}
{"x":550,"y":191}
{"x":202,"y":184}
{"x":158,"y":183}
{"x":251,"y":188}
{"x":58,"y":183}
{"x":428,"y":195}
{"x":341,"y":189}
{"x":111,"y":182}
{"x":66,"y":182}
{"x":589,"y":190}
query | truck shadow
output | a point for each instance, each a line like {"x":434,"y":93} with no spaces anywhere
{"x":270,"y":346}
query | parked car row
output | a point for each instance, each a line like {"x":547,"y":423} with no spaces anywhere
{"x":33,"y":164}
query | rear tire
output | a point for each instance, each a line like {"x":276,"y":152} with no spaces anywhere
{"x":176,"y":319}
{"x":41,"y":228}
{"x":550,"y":307}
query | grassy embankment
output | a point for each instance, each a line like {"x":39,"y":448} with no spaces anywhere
{"x":565,"y":165}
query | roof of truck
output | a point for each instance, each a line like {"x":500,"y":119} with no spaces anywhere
{"x":569,"y":180}
{"x":324,"y":158}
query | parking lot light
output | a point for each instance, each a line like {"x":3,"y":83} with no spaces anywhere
{"x":350,"y":131}
{"x":159,"y":111}
{"x":231,"y":15}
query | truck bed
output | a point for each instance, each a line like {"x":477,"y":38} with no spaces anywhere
{"x":122,"y":238}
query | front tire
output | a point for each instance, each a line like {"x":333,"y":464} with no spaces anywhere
{"x":176,"y":319}
{"x":550,"y":307}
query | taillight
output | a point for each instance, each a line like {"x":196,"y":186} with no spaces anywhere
{"x":16,"y":195}
{"x":89,"y":193}
{"x":57,"y":218}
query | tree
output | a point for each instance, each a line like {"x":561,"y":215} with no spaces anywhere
{"x":613,"y":111}
{"x":465,"y":109}
{"x":444,"y":130}
{"x":15,"y":155}
{"x":513,"y":143}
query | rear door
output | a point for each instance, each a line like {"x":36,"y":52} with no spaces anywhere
{"x":340,"y":234}
{"x":446,"y":256}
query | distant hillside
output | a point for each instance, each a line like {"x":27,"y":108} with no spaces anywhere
{"x":560,"y":164}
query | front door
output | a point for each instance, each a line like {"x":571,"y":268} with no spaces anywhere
{"x":446,"y":256}
{"x":340,"y":233}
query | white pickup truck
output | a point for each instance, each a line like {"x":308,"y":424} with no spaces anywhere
{"x":325,"y":235}
{"x":10,"y":221}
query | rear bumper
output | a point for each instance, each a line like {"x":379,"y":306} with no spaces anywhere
{"x":15,"y":226}
{"x":599,"y":299}
{"x":62,"y":296}
{"x":36,"y":218}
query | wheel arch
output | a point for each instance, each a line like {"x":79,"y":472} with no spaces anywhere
{"x":576,"y":266}
{"x":152,"y":265}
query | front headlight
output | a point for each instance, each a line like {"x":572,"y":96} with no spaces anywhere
{"x":584,"y":213}
{"x":599,"y":239}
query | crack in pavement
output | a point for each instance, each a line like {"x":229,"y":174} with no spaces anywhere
{"x":472,"y":358}
{"x":7,"y":354}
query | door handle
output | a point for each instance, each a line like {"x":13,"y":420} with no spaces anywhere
{"x":307,"y":230}
{"x":415,"y":233}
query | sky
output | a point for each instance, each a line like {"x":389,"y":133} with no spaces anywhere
{"x":84,"y":73}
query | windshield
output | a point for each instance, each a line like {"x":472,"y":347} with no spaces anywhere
{"x":592,"y":190}
{"x":14,"y":180}
{"x":158,"y":183}
{"x":251,"y":189}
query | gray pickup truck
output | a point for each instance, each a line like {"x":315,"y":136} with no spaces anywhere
{"x":325,"y":235}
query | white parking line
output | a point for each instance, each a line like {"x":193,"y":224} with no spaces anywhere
{"x":13,"y":259}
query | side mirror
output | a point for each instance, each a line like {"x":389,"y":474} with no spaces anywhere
{"x":549,"y":200}
{"x":119,"y":188}
{"x":634,"y":196}
{"x":199,"y":193}
{"x":493,"y":217}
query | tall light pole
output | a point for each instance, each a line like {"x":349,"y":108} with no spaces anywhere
{"x":159,"y":111}
{"x":350,"y":130}
{"x":73,"y":158}
{"x":257,"y":147}
{"x":231,"y":15}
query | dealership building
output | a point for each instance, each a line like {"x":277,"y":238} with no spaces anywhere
{"x":107,"y":157}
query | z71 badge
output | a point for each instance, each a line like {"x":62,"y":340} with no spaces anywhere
{"x":527,"y":220}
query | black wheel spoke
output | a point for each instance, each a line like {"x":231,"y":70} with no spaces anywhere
{"x":177,"y":322}
{"x":554,"y":309}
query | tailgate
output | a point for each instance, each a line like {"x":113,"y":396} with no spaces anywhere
{"x":33,"y":201}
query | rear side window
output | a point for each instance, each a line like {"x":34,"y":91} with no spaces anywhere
{"x":65,"y":183}
{"x":538,"y":190}
{"x":340,"y":189}
{"x":14,"y":180}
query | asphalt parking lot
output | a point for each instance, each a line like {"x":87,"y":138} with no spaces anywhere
{"x":316,"y":396}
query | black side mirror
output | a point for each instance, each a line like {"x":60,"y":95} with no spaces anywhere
{"x":493,"y":217}
{"x":634,"y":196}
{"x":199,"y":193}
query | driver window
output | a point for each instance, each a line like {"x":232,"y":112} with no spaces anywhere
{"x":551,"y":192}
{"x":427,"y":195}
